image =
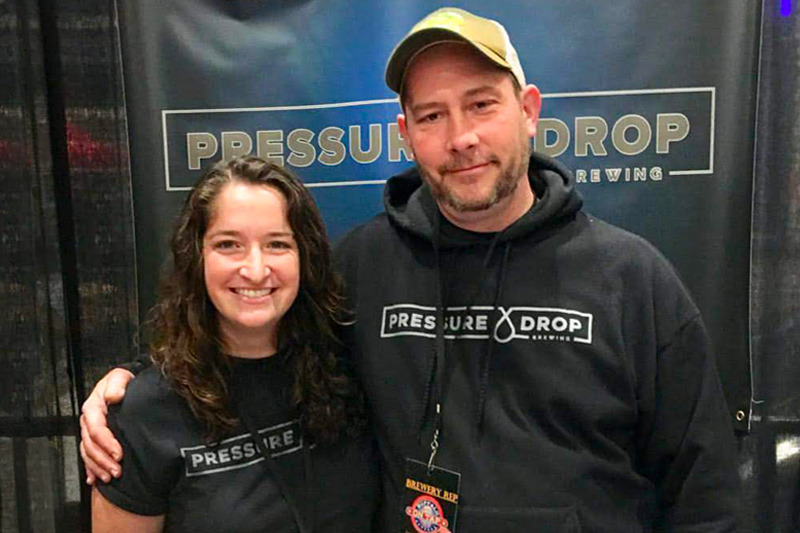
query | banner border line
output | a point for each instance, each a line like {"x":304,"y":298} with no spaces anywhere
{"x":165,"y":113}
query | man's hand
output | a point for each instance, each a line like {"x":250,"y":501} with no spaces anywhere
{"x":100,"y":451}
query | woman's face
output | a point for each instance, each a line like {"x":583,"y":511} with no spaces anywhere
{"x":251,"y":266}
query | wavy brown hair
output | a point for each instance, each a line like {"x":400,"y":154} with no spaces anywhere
{"x":187,"y":344}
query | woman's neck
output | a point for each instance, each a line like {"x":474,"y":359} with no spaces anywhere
{"x":252,"y":347}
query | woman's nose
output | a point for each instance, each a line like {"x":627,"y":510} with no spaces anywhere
{"x":255,"y":267}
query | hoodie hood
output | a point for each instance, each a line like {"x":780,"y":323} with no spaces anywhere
{"x":410,"y":205}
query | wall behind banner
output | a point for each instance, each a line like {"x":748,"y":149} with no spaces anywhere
{"x":652,"y":105}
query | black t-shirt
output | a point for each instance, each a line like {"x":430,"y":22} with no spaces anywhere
{"x":169,"y":469}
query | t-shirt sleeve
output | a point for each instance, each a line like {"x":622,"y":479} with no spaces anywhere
{"x":144,"y":423}
{"x":138,"y":365}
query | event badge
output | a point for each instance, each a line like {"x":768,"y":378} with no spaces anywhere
{"x":431,"y":499}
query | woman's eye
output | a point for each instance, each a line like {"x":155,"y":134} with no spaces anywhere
{"x":225,"y":245}
{"x":279,"y":245}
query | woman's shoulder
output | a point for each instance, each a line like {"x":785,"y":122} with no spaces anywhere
{"x":149,"y":394}
{"x":151,"y":384}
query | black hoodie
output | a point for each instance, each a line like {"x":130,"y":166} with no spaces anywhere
{"x":578,"y":393}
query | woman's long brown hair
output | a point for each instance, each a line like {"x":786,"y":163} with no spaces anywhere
{"x":186,"y":338}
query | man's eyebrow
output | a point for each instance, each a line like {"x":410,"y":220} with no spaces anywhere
{"x":424,"y":106}
{"x":470,"y":93}
{"x":483,"y":89}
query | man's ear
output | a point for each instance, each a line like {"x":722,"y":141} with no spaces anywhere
{"x":531,"y":105}
{"x":402,"y":126}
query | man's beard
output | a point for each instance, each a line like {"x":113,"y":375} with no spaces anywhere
{"x":503,"y":188}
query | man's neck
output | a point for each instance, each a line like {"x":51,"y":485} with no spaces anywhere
{"x":499,"y":216}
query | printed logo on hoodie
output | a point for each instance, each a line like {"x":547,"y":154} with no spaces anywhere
{"x":477,"y":322}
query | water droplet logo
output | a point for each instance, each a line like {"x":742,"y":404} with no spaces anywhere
{"x":504,"y":330}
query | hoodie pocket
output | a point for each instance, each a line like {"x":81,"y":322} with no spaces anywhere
{"x":518,"y":520}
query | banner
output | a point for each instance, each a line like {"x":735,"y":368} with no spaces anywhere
{"x":651,"y":104}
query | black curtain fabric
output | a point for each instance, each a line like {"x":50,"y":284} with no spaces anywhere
{"x":67,"y":276}
{"x":34,"y":392}
{"x":771,"y":462}
{"x":67,"y":270}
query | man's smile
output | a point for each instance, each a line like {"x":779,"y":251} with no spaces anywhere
{"x":467,"y":169}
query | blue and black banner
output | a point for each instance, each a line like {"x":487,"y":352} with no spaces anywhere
{"x":650,"y":104}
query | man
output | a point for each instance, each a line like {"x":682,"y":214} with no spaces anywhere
{"x":529,"y":367}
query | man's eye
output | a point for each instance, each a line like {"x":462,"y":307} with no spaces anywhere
{"x":482,"y":105}
{"x":431,"y":117}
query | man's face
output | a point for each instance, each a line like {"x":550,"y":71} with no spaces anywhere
{"x":469,"y":130}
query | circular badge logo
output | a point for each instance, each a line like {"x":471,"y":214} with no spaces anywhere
{"x":426,"y":515}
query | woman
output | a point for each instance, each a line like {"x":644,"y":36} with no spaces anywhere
{"x":244,"y":343}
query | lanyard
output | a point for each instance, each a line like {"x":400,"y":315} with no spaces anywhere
{"x":274,"y":470}
{"x":441,"y":365}
{"x":440,"y":387}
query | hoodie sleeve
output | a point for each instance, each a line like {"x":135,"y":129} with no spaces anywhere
{"x":355,"y":248}
{"x":687,"y":445}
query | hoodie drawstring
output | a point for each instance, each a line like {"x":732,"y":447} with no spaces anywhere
{"x":436,"y":367}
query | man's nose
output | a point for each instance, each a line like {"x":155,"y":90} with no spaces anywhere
{"x":462,"y":134}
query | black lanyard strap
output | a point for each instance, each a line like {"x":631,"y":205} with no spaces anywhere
{"x":441,"y":380}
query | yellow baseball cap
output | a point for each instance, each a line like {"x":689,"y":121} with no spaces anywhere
{"x":450,"y":24}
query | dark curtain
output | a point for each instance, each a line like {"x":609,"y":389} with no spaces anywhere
{"x":771,"y":460}
{"x":67,"y":271}
{"x":67,"y":275}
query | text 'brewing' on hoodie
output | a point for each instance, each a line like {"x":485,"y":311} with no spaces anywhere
{"x":578,"y":392}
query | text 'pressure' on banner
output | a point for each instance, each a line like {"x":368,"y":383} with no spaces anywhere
{"x":299,"y":147}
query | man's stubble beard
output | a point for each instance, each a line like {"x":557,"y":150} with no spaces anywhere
{"x":503,"y":188}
